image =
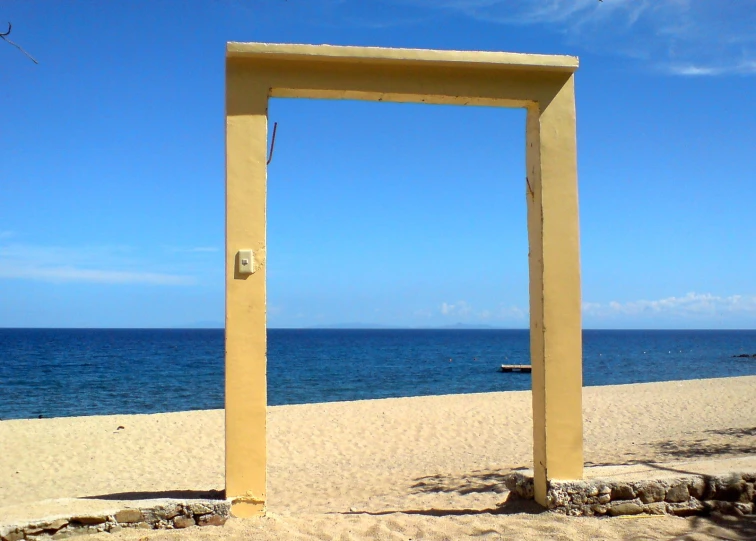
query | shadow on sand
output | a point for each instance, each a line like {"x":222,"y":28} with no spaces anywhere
{"x":698,"y":448}
{"x":509,"y":507}
{"x":477,"y":482}
{"x":714,"y":527}
{"x":172,"y":494}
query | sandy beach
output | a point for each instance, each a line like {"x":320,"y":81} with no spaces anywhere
{"x":408,"y":468}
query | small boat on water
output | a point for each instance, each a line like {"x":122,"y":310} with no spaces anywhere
{"x":515,"y":368}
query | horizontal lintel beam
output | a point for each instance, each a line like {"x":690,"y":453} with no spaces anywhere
{"x":402,"y":57}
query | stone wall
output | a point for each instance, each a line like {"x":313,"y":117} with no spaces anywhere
{"x":168,"y":515}
{"x":681,"y":496}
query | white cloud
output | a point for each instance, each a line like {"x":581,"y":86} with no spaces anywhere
{"x":508,"y":12}
{"x":73,"y":274}
{"x":512,"y":312}
{"x":692,"y":305}
{"x":693,"y":70}
{"x":696,"y":308}
{"x":744,"y":68}
{"x":463,"y":310}
{"x":680,"y":37}
{"x":98,"y":264}
{"x":459,"y":309}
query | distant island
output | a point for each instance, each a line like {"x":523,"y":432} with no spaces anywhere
{"x":377,"y":326}
{"x":355,"y":326}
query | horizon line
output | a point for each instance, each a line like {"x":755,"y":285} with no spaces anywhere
{"x":377,"y":328}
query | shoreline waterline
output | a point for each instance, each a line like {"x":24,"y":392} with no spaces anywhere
{"x":67,"y":373}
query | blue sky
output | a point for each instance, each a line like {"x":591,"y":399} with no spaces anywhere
{"x":111,"y":193}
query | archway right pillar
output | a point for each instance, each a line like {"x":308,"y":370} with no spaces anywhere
{"x":555,"y":303}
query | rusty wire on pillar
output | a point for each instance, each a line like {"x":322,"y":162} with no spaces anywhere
{"x":272,"y":143}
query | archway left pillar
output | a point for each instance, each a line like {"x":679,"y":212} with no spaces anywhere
{"x":246,"y":341}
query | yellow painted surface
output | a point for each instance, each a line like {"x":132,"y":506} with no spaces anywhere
{"x":555,"y":318}
{"x":542,"y":84}
{"x":353,"y":55}
{"x":246,"y":386}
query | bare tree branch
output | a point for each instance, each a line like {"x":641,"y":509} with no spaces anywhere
{"x":3,"y":35}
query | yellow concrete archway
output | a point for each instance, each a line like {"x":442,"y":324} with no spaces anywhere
{"x":543,"y":85}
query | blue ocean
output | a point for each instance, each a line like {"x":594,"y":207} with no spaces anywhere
{"x":70,"y":372}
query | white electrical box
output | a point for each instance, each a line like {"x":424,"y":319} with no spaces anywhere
{"x":246,"y":262}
